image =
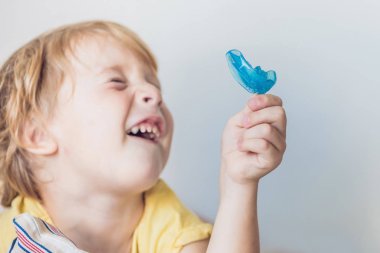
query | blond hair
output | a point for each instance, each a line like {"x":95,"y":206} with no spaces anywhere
{"x":29,"y":81}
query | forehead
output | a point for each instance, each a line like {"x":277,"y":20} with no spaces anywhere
{"x":96,"y":53}
{"x":92,"y":57}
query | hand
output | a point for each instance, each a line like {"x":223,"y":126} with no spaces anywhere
{"x":253,"y":141}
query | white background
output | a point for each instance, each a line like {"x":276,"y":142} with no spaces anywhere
{"x":324,"y":196}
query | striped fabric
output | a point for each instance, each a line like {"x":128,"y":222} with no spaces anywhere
{"x":37,"y":236}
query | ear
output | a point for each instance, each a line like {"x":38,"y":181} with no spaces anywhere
{"x":37,"y":140}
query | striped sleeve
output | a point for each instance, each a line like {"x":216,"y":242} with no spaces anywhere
{"x":37,"y":236}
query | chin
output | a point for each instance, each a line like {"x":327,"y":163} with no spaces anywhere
{"x":138,"y":178}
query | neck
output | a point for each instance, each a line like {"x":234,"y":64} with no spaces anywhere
{"x":96,"y":222}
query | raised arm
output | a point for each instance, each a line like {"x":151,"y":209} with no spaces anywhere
{"x":253,"y":145}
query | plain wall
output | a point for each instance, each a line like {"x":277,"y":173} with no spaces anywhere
{"x":324,"y":196}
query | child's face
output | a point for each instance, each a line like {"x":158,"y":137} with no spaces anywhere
{"x":114,"y":91}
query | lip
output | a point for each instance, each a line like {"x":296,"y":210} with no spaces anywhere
{"x":143,"y":139}
{"x":152,"y":119}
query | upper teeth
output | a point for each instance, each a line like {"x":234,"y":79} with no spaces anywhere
{"x":145,"y":128}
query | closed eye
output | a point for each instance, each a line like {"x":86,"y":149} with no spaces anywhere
{"x":118,"y":83}
{"x":117,"y":80}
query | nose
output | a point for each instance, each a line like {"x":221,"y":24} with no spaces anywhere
{"x":149,"y":95}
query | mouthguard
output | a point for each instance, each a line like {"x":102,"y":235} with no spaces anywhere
{"x":254,"y":80}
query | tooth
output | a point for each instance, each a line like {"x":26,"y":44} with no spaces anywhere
{"x":135,"y":130}
{"x":155,"y":130}
{"x":142,"y":129}
{"x":149,"y":129}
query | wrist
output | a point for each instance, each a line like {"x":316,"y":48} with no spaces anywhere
{"x":233,"y":190}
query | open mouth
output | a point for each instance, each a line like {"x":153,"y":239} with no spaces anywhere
{"x":146,"y":131}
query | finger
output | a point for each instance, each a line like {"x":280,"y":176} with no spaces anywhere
{"x":268,"y":133}
{"x":265,"y":153}
{"x":258,"y":102}
{"x":255,"y":103}
{"x":238,"y":118}
{"x":274,"y":115}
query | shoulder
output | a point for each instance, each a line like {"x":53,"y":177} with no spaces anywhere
{"x":7,"y":231}
{"x":167,"y":224}
{"x":19,"y":205}
{"x":162,"y":202}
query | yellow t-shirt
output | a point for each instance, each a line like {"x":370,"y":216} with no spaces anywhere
{"x":166,"y":225}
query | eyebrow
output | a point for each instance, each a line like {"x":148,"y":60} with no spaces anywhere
{"x":108,"y":69}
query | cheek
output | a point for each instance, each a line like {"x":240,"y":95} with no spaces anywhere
{"x":170,"y":128}
{"x":105,"y":109}
{"x":89,"y":122}
{"x":168,"y":119}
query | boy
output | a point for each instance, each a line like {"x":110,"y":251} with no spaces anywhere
{"x":84,"y":137}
